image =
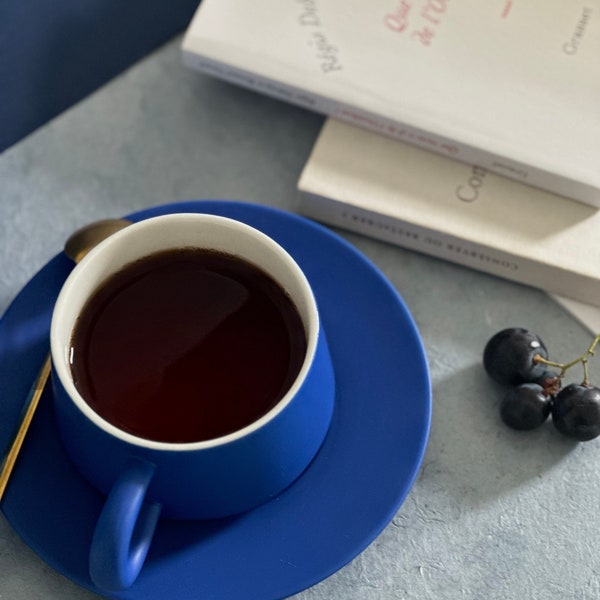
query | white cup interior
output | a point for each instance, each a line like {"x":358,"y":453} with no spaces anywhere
{"x":162,"y":233}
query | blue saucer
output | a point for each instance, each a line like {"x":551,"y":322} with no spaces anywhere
{"x":345,"y":498}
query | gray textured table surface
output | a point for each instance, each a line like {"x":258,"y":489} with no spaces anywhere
{"x":494,"y":513}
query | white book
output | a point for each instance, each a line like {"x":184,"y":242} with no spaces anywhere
{"x":374,"y":185}
{"x":512,"y":86}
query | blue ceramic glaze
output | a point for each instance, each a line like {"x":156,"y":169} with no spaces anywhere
{"x":200,"y":480}
{"x":229,"y":478}
{"x":125,"y":529}
{"x":340,"y":503}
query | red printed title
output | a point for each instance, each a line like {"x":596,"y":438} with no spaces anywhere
{"x":420,"y":22}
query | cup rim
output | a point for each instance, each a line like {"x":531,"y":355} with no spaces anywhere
{"x":59,"y":346}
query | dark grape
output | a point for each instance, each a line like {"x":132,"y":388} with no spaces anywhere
{"x":525,"y":406}
{"x":508,"y":356}
{"x":576,"y":411}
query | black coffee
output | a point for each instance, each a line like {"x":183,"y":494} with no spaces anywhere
{"x":187,"y":345}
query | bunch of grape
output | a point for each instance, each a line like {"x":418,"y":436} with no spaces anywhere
{"x":518,"y":358}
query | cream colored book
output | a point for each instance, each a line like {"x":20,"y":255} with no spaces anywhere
{"x":374,"y":185}
{"x":510,"y":85}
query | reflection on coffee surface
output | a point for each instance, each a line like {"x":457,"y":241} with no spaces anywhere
{"x":187,"y":345}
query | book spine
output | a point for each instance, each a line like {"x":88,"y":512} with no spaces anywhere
{"x":527,"y":174}
{"x":441,"y":245}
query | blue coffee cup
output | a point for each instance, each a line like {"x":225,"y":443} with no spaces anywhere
{"x":146,"y":479}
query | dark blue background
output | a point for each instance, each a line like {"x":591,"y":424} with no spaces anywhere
{"x":55,"y":52}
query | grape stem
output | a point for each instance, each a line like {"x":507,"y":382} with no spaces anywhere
{"x":583,"y":359}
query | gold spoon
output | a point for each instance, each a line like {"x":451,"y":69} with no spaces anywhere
{"x":76,"y":247}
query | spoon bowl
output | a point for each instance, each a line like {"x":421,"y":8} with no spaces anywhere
{"x":87,"y":237}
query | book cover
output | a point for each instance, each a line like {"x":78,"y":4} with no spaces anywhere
{"x":374,"y":185}
{"x":510,"y":85}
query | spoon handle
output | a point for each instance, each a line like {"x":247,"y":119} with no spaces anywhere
{"x":30,"y":407}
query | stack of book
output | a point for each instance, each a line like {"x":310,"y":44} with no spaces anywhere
{"x":468,"y":131}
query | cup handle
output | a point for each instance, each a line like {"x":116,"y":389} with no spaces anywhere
{"x":124,"y":530}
